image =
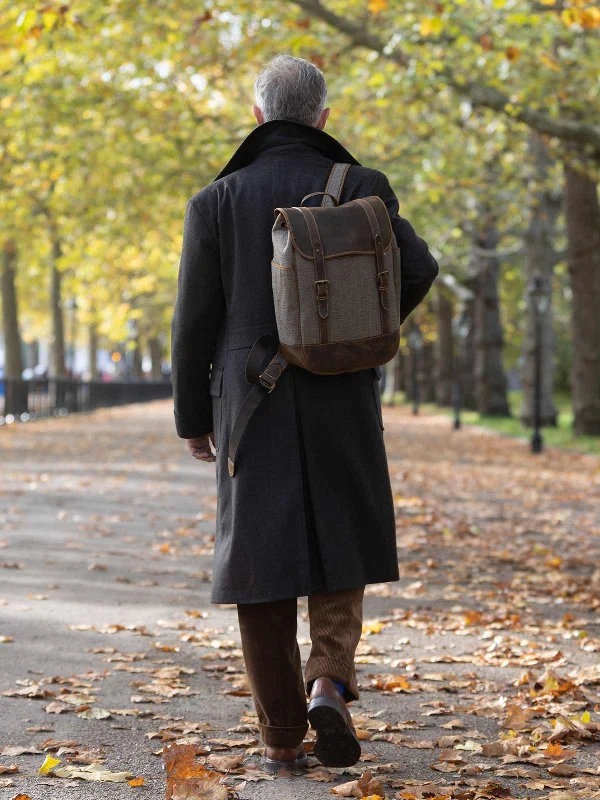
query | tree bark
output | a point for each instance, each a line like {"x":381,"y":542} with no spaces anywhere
{"x":444,"y":349}
{"x":583,"y":229}
{"x":427,"y":373}
{"x":57,"y":362}
{"x":155,"y":357}
{"x":136,"y":367}
{"x":13,"y":353}
{"x":540,"y":260}
{"x":93,"y":350}
{"x":399,"y":370}
{"x":491,"y":386}
{"x":466,"y":352}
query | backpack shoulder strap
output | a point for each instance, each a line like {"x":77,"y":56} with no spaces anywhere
{"x":335,"y":183}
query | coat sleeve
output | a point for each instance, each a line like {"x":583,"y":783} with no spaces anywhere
{"x":419,"y":268}
{"x":199,"y":309}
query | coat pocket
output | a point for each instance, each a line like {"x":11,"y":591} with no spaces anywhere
{"x":216,"y":390}
{"x":377,"y":394}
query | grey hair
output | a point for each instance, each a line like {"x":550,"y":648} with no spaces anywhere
{"x":291,"y":88}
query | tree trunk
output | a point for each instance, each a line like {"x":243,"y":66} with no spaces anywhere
{"x":540,"y":260}
{"x":426,"y":363}
{"x":57,"y":363}
{"x":583,"y":229}
{"x":136,"y":367}
{"x":491,"y":386}
{"x":155,"y":357}
{"x":399,"y":371}
{"x":13,"y":355}
{"x":444,"y":349}
{"x":466,"y":352}
{"x":93,"y":350}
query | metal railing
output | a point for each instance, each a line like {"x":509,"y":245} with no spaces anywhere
{"x":23,"y":400}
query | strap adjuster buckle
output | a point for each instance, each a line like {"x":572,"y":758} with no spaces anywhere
{"x":322,"y":288}
{"x":269,"y":385}
{"x":269,"y":381}
{"x":382,"y":278}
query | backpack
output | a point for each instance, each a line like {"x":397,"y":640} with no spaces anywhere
{"x":336,"y":282}
{"x":336,"y":290}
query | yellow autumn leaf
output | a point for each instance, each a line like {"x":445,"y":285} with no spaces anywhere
{"x":550,"y":63}
{"x":431,"y":25}
{"x":425,"y":28}
{"x":372,"y":627}
{"x":570,"y":16}
{"x":136,"y":782}
{"x":590,"y":17}
{"x":48,"y":765}
{"x":375,"y":6}
{"x":548,"y":2}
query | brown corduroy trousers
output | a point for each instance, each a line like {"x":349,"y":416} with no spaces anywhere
{"x":272,"y":657}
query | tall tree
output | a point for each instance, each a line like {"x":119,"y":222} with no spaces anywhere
{"x":541,"y":257}
{"x":583,"y":225}
{"x":13,"y":355}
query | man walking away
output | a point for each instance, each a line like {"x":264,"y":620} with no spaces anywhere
{"x":309,"y":510}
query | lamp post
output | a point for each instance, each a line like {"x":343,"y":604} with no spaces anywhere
{"x":415,"y":343}
{"x":539,"y":303}
{"x":461,"y":329}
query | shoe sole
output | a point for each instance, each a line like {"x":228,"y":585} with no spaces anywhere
{"x":337,"y":744}
{"x":273,"y":766}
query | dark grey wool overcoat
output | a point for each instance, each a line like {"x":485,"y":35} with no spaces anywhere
{"x":310,"y":507}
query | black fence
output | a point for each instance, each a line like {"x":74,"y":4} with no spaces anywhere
{"x":22,"y":400}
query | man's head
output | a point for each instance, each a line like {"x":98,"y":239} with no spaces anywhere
{"x":293,"y":89}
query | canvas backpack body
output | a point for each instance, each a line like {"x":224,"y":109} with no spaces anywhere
{"x":336,"y":282}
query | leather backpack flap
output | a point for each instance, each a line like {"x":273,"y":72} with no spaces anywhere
{"x":343,"y":230}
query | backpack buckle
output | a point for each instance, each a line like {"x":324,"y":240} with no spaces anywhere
{"x":382,"y":280}
{"x":322,"y":288}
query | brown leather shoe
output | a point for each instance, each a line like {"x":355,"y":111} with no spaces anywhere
{"x":290,"y":758}
{"x":337,"y":744}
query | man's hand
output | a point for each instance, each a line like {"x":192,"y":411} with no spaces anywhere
{"x":200,"y":447}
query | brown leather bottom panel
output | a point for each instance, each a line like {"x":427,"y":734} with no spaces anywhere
{"x":338,"y":357}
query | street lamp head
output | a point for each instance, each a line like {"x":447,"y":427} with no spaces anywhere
{"x":538,"y":293}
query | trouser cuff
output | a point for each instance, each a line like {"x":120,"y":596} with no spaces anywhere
{"x":342,"y":671}
{"x":282,"y":737}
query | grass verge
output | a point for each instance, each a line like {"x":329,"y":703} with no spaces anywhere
{"x":561,"y":436}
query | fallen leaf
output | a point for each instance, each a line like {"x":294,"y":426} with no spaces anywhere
{"x":48,"y":765}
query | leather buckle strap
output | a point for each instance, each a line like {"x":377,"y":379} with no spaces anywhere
{"x":321,"y":280}
{"x":264,"y":380}
{"x":268,"y":379}
{"x":322,"y":288}
{"x":335,"y":183}
{"x":383,"y":287}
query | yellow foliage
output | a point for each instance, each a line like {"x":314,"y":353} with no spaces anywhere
{"x":431,"y":25}
{"x":375,"y":6}
{"x":550,"y":63}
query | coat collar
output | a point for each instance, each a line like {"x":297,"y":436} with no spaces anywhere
{"x":283,"y":131}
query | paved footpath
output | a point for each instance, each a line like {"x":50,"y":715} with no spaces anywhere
{"x":479,"y":670}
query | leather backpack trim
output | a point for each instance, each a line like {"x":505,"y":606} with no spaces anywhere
{"x":345,"y":235}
